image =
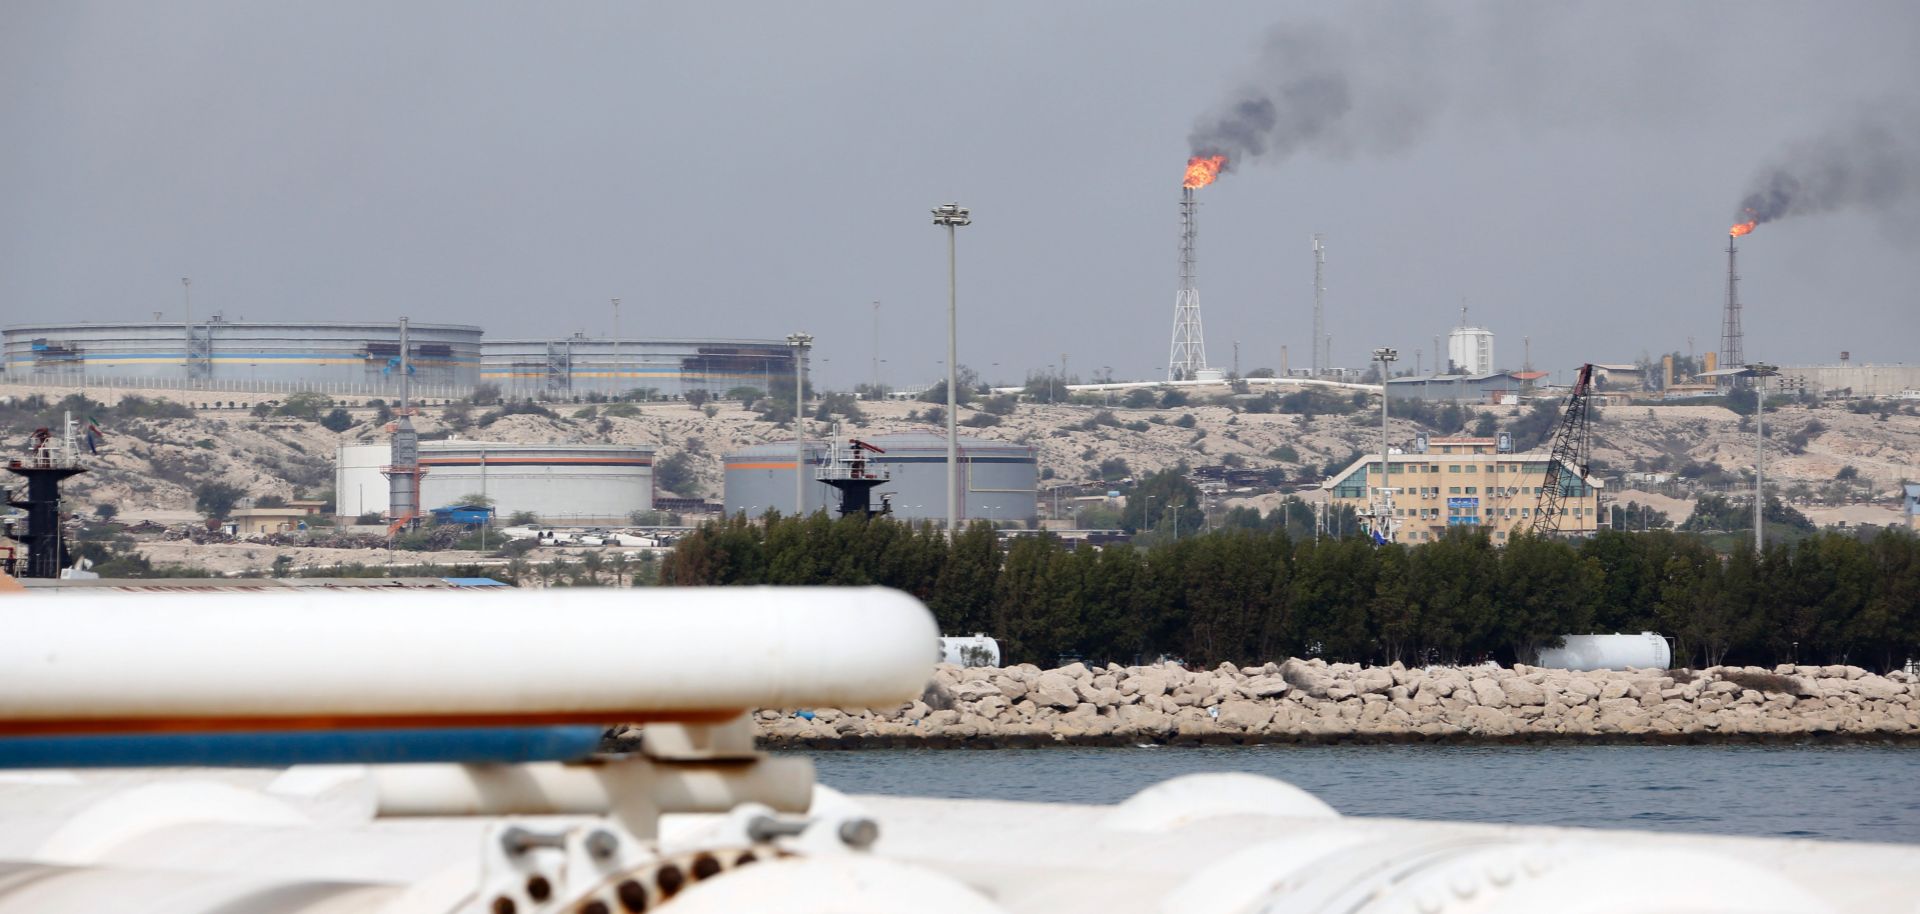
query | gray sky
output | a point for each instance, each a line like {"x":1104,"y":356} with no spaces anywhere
{"x":1567,"y":170}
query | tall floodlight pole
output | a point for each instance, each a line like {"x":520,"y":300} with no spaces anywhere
{"x":799,"y":342}
{"x":876,"y":350}
{"x":1319,"y":289}
{"x":1386,"y":356}
{"x":616,"y":348}
{"x":186,"y":300}
{"x":952,"y":215}
{"x":1759,"y":372}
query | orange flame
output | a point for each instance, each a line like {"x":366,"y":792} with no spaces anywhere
{"x":1741,"y":229}
{"x":1202,"y":170}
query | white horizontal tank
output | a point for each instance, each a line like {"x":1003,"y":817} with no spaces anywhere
{"x":974,"y":650}
{"x":1644,"y":651}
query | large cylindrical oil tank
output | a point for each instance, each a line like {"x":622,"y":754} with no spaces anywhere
{"x":309,"y":353}
{"x":559,"y":483}
{"x":1644,"y":651}
{"x":998,"y":480}
{"x":671,"y":368}
{"x":358,"y":485}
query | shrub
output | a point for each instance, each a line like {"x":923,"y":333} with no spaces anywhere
{"x":981,"y":420}
{"x":1285,"y":454}
{"x":1186,"y":420}
{"x":336,"y":420}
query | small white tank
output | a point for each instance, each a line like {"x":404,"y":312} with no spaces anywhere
{"x":975,"y":650}
{"x":1645,"y":651}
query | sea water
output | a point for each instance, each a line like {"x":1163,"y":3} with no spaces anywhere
{"x":1851,"y":792}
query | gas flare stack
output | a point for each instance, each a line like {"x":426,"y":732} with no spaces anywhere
{"x":1732,"y":339}
{"x":1188,"y":358}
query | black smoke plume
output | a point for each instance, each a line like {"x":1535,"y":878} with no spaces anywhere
{"x":1873,"y":163}
{"x":1316,"y":88}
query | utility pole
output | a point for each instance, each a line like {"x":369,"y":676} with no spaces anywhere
{"x":876,"y":349}
{"x":616,"y":347}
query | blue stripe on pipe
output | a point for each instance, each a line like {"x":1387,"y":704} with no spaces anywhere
{"x":326,"y":747}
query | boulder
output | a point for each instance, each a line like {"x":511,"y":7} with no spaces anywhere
{"x":1054,"y":690}
{"x":1522,"y":693}
{"x":1485,"y":721}
{"x":1374,"y":679}
{"x":1487,"y":693}
{"x":1878,"y":688}
{"x":1245,"y":716}
{"x":1266,"y":687}
{"x":976,"y":689}
{"x":1307,"y":676}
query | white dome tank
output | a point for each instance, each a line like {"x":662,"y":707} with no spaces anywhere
{"x":1644,"y":651}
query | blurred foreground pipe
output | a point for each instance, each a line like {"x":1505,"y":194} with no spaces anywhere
{"x":501,"y":745}
{"x":636,"y":793}
{"x":206,"y":662}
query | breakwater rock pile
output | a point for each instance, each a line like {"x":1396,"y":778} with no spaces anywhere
{"x":1314,"y":701}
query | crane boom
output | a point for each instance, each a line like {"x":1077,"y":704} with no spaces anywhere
{"x":1572,"y":455}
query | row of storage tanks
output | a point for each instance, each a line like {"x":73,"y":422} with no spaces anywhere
{"x":366,"y":354}
{"x":602,"y":484}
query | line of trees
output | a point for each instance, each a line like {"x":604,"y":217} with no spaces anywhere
{"x":1252,"y":595}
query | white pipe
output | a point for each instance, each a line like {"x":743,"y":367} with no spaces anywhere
{"x":74,"y":663}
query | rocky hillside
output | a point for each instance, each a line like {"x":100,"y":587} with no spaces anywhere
{"x":150,"y":466}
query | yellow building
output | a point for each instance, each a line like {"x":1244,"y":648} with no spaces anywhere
{"x":1463,"y":482}
{"x":261,"y":521}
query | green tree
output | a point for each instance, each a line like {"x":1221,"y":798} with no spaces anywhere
{"x":216,"y":499}
{"x":676,"y":474}
{"x":1162,"y":501}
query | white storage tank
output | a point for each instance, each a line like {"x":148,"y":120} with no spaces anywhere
{"x":1644,"y":651}
{"x":562,"y":484}
{"x":970,"y":650}
{"x":358,"y":484}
